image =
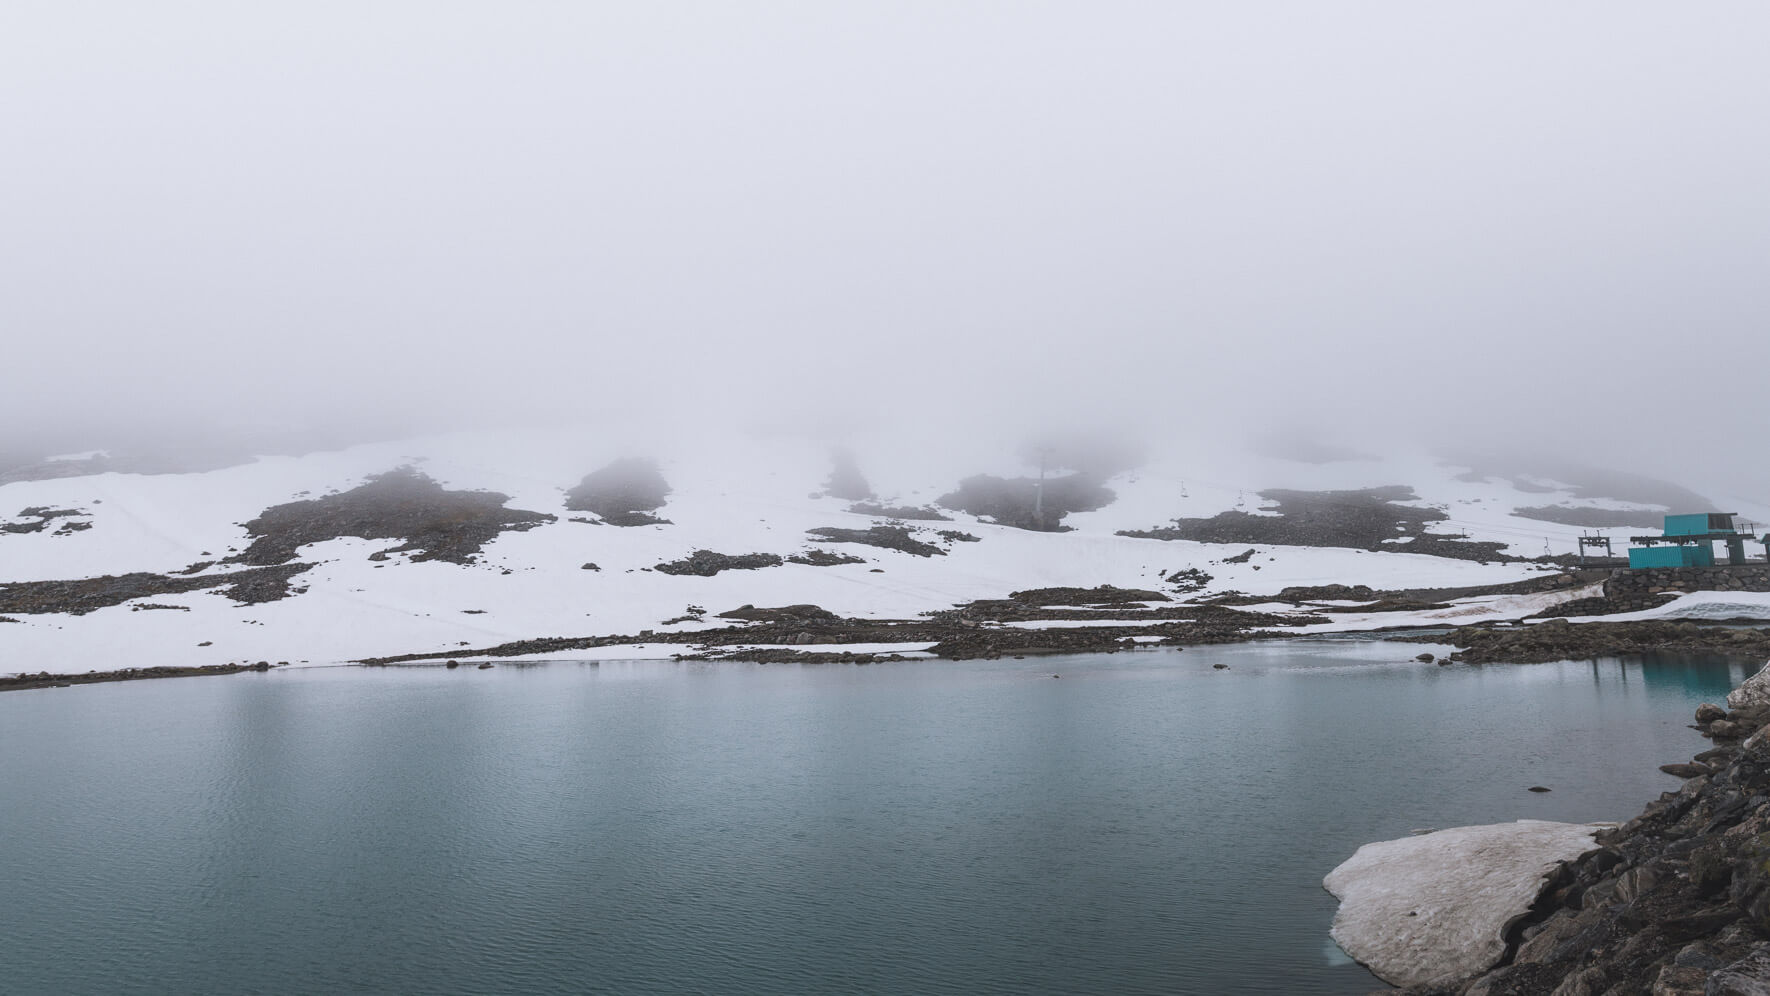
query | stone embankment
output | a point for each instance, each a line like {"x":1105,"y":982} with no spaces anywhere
{"x":1628,"y":590}
{"x":1560,"y":640}
{"x":1675,"y":902}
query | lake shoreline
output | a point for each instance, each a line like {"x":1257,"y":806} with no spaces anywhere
{"x":44,"y":679}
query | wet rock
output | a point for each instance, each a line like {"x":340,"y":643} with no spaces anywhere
{"x":1749,"y":976}
{"x":1708,"y":712}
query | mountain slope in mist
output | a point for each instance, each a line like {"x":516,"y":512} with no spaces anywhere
{"x":368,"y":550}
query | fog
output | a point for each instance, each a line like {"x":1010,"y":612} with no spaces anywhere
{"x":1496,"y":224}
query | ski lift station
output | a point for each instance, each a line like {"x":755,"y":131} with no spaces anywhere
{"x":1689,"y":541}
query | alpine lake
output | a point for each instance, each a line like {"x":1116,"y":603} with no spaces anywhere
{"x":1138,"y":822}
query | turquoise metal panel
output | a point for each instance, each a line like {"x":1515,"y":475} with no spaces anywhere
{"x":1687,"y":525}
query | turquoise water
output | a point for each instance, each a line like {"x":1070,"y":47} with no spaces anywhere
{"x":1143,"y":824}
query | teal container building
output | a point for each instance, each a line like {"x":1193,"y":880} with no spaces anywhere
{"x":1699,"y":524}
{"x":1671,"y":556}
{"x":1689,"y":541}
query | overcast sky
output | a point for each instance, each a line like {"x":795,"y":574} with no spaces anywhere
{"x":1476,"y":220}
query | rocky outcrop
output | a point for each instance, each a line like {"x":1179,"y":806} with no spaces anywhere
{"x":401,"y":504}
{"x":624,"y":493}
{"x":39,"y":518}
{"x":1104,"y":595}
{"x":824,"y":558}
{"x":1370,"y":519}
{"x":1435,"y":908}
{"x":83,"y":595}
{"x":885,"y":537}
{"x":706,"y":563}
{"x":1028,"y":502}
{"x":1675,"y":902}
{"x":846,"y":480}
{"x":912,"y":513}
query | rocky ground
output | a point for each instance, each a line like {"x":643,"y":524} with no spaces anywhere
{"x":432,"y":523}
{"x":1028,"y":502}
{"x":78,"y":597}
{"x":885,"y":536}
{"x":973,"y":630}
{"x":1368,"y":519}
{"x":39,"y":518}
{"x":706,"y":563}
{"x":1675,"y":902}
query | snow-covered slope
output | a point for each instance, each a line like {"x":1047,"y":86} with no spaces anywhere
{"x":730,"y":493}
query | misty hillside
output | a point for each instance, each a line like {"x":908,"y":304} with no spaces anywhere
{"x":433,"y":544}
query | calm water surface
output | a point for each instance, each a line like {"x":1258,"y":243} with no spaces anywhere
{"x":1144,"y":824}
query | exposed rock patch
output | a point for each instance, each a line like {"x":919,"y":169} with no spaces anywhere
{"x":796,"y":614}
{"x":706,"y":563}
{"x":885,"y":537}
{"x":401,"y":504}
{"x":78,"y":597}
{"x":1188,"y":579}
{"x":1104,"y":595}
{"x":42,"y":517}
{"x":624,"y":493}
{"x":975,"y":629}
{"x":1368,"y":519}
{"x":1027,"y":502}
{"x":846,"y":481}
{"x":824,"y":558}
{"x":908,"y":512}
